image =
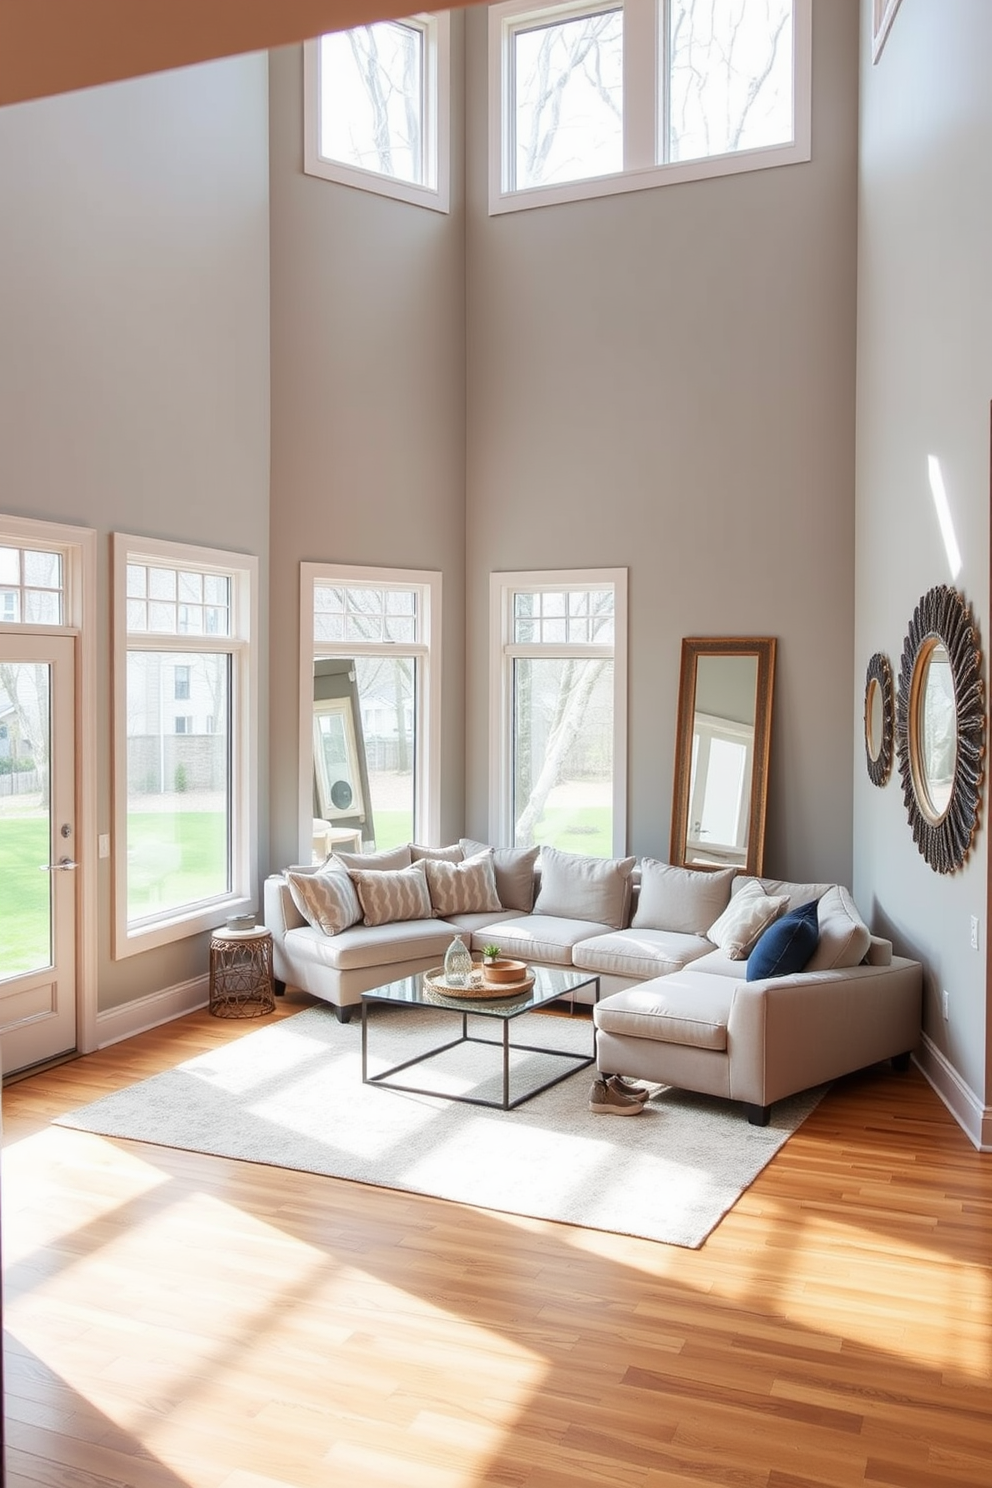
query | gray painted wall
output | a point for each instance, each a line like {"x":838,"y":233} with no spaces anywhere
{"x":134,"y":349}
{"x":368,"y":413}
{"x":665,"y":381}
{"x":924,"y":384}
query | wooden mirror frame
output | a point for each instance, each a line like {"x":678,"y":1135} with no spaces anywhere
{"x":762,"y":648}
{"x":879,"y":675}
{"x":943,"y":617}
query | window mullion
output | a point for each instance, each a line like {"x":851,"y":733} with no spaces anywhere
{"x":641,"y":79}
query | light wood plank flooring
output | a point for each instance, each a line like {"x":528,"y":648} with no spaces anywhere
{"x":175,"y":1319}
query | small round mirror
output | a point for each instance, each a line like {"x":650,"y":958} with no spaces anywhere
{"x":879,"y":712}
{"x":933,"y":722}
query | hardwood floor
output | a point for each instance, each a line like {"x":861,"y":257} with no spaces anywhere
{"x":174,"y":1319}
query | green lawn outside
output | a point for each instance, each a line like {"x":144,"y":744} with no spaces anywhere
{"x":25,"y":929}
{"x":580,"y":829}
{"x":174,"y":858}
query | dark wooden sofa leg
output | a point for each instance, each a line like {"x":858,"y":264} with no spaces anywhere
{"x":343,"y":1014}
{"x":278,"y":987}
{"x":901,"y":1062}
{"x":757,"y":1115}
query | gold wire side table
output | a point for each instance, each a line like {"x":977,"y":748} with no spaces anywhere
{"x":241,"y":984}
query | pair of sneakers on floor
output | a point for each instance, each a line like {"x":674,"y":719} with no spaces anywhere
{"x":615,"y":1095}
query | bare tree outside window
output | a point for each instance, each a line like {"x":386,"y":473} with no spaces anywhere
{"x":569,"y":99}
{"x":372,"y":113}
{"x":729,"y":76}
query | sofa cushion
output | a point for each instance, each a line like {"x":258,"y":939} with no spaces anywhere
{"x":749,"y":913}
{"x":844,"y":937}
{"x":673,"y":1010}
{"x":468,"y":887}
{"x":534,"y":937}
{"x":326,"y":899}
{"x":638,"y":953}
{"x":388,"y":897}
{"x":394,"y":857}
{"x":680,"y":899}
{"x":575,"y":886}
{"x":452,"y":854}
{"x":371,"y":945}
{"x":786,"y":946}
{"x":514,"y":872}
{"x":796,"y":893}
{"x":482,"y":928}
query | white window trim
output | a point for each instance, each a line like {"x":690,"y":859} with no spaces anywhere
{"x":436,"y":192}
{"x":78,"y":548}
{"x":242,"y":645}
{"x":503,"y":651}
{"x":641,"y":68}
{"x":427,"y":650}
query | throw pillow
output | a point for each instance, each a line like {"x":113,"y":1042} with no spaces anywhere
{"x":388,"y":896}
{"x":577,"y":887}
{"x":468,"y":887}
{"x":683,"y":901}
{"x":452,"y":854}
{"x":394,"y":857}
{"x":786,"y":946}
{"x":326,"y":899}
{"x":745,"y":917}
{"x":514,"y":872}
{"x":844,"y":937}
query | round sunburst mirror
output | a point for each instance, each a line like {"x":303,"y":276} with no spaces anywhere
{"x":879,"y":719}
{"x":940,"y":727}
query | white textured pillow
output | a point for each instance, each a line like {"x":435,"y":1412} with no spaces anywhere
{"x":326,"y":899}
{"x":393,"y":857}
{"x":577,"y":887}
{"x":683,"y":901}
{"x":388,"y":896}
{"x":468,"y":887}
{"x":514,"y":872}
{"x":844,"y":936}
{"x":452,"y":854}
{"x":745,"y":919}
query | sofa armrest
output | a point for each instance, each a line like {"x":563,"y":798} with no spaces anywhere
{"x":879,"y":952}
{"x":790,"y":1033}
{"x":281,"y":914}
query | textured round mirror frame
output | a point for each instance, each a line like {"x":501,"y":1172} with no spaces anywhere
{"x":879,"y":719}
{"x":940,"y":727}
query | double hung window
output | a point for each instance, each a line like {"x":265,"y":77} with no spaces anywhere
{"x":370,"y":703}
{"x":589,"y":99}
{"x":559,"y":671}
{"x":184,"y":809}
{"x":376,"y":106}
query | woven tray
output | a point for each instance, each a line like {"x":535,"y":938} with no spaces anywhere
{"x":434,"y":979}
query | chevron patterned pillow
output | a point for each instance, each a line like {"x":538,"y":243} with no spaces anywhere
{"x":463,"y":888}
{"x":386,"y":897}
{"x":327,"y":899}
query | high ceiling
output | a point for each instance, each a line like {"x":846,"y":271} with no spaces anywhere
{"x":54,"y":46}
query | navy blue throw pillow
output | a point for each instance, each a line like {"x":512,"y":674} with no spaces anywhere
{"x":787,"y":945}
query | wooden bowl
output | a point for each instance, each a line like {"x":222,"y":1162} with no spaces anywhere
{"x":497,"y":973}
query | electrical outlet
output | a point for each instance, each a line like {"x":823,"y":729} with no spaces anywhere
{"x":103,"y":845}
{"x":974,"y":932}
{"x":945,"y":1004}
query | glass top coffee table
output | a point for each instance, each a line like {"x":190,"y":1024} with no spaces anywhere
{"x":412,"y":992}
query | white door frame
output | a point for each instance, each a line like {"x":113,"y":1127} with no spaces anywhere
{"x":78,"y":547}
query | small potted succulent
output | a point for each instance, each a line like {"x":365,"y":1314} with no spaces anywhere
{"x":490,"y":955}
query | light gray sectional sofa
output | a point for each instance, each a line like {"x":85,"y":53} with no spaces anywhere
{"x":674,"y":949}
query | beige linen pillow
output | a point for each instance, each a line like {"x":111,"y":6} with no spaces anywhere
{"x":326,"y":899}
{"x":452,"y":854}
{"x":745,"y":919}
{"x":468,"y":887}
{"x":844,"y":936}
{"x":388,"y":896}
{"x":514,"y":872}
{"x":577,"y":887}
{"x":394,"y":857}
{"x":683,"y":901}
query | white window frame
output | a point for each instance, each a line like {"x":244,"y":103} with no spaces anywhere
{"x":644,"y":23}
{"x":242,"y":645}
{"x":427,"y":651}
{"x":504,"y":651}
{"x":435,"y":192}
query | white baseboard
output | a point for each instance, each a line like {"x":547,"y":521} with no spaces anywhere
{"x":151,"y":1011}
{"x":964,"y":1105}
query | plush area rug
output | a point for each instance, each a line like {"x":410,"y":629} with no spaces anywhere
{"x":291,"y":1095}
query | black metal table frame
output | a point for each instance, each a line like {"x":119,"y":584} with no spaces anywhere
{"x":577,"y":1061}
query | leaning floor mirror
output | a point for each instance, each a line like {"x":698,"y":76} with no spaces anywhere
{"x":721,"y":752}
